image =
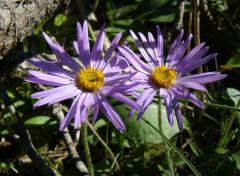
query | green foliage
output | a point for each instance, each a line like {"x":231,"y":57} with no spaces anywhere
{"x":139,"y":131}
{"x":210,"y":148}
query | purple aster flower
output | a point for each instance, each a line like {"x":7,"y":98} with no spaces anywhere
{"x":168,"y":77}
{"x":88,"y":80}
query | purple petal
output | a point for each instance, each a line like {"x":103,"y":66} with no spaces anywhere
{"x":203,"y":78}
{"x":140,"y":47}
{"x":160,"y":47}
{"x":134,"y":60}
{"x":52,"y":91}
{"x":194,"y":100}
{"x":167,"y":101}
{"x":178,"y":54}
{"x":95,"y":109}
{"x":96,"y":53}
{"x":47,"y":77}
{"x":143,"y":97}
{"x":174,"y":47}
{"x":56,"y":97}
{"x":51,"y":68}
{"x":83,"y":43}
{"x":78,"y":116}
{"x":112,"y":47}
{"x":111,"y":114}
{"x":115,"y":79}
{"x":192,"y":85}
{"x":146,"y":103}
{"x":75,"y":44}
{"x":44,"y":82}
{"x":70,"y":114}
{"x":126,"y":100}
{"x":65,"y":58}
{"x":178,"y":113}
{"x":195,"y":54}
{"x":197,"y":64}
{"x":150,"y":48}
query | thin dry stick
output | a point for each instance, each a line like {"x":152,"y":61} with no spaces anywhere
{"x":26,"y":142}
{"x":178,"y":23}
{"x":71,"y":145}
{"x":196,"y":42}
{"x":104,"y":145}
{"x":180,"y":14}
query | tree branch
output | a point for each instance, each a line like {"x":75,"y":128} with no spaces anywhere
{"x":26,"y":142}
{"x":71,"y":145}
{"x":19,"y":17}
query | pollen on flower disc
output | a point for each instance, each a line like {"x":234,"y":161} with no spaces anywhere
{"x":90,"y":79}
{"x":163,"y":77}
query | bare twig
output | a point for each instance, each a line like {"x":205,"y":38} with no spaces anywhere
{"x":104,"y":144}
{"x":26,"y":142}
{"x":71,"y":145}
{"x":180,"y":14}
{"x":178,"y":23}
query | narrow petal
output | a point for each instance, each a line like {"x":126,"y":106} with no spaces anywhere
{"x":160,"y":47}
{"x":140,"y":47}
{"x":146,"y":103}
{"x":134,"y":60}
{"x":83,"y":43}
{"x":95,"y":109}
{"x":174,"y":47}
{"x":197,"y":64}
{"x":180,"y":51}
{"x":51,"y":91}
{"x":126,"y":100}
{"x":48,"y":77}
{"x":59,"y":96}
{"x":51,"y":68}
{"x":112,"y":47}
{"x":70,"y":114}
{"x":203,"y":78}
{"x":167,"y":101}
{"x":44,"y":82}
{"x":194,"y":55}
{"x":143,"y":96}
{"x":194,"y":100}
{"x":78,"y":116}
{"x":111,"y":114}
{"x":65,"y":58}
{"x":96,"y":53}
{"x":178,"y":113}
{"x":192,"y":85}
{"x":150,"y":47}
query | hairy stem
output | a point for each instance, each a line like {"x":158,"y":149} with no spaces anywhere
{"x":167,"y":149}
{"x":86,"y":149}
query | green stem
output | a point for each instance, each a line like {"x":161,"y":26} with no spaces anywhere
{"x":195,"y":171}
{"x":87,"y":150}
{"x":232,"y":117}
{"x":167,"y":149}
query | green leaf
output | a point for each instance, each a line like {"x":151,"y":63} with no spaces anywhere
{"x":226,"y":168}
{"x":234,"y":95}
{"x":234,"y":62}
{"x":156,"y":10}
{"x":139,"y":131}
{"x":60,"y":19}
{"x":236,"y":157}
{"x":37,"y":120}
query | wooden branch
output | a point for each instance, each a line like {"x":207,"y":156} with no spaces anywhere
{"x":19,"y":17}
{"x":71,"y":145}
{"x":25,"y":138}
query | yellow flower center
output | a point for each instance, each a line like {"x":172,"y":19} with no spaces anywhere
{"x":163,"y":77}
{"x":90,"y":79}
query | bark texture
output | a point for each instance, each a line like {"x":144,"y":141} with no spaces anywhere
{"x":19,"y":17}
